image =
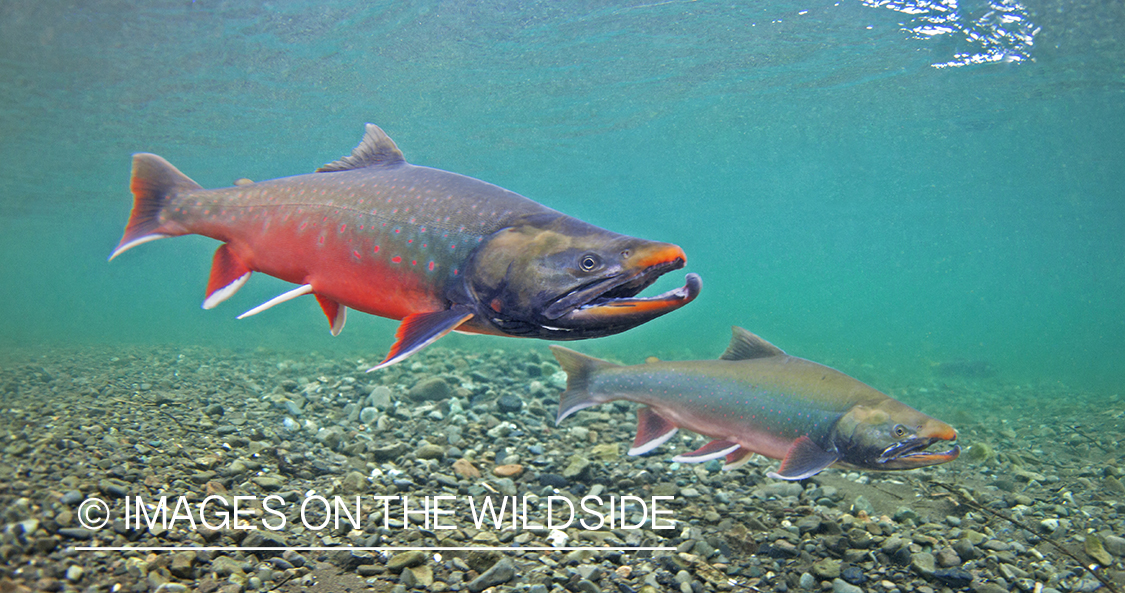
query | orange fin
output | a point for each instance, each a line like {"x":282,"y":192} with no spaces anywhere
{"x":653,"y":430}
{"x":154,"y":182}
{"x":422,"y":329}
{"x":713,"y":450}
{"x":803,"y":459}
{"x":228,"y":274}
{"x":335,"y":312}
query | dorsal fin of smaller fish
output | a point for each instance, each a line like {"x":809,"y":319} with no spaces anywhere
{"x":744,"y":345}
{"x":376,"y":149}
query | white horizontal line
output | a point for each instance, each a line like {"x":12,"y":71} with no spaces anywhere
{"x":361,"y":549}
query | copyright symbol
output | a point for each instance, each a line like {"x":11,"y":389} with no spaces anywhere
{"x":93,"y":513}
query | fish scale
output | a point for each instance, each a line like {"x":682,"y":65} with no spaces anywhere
{"x":438,"y":250}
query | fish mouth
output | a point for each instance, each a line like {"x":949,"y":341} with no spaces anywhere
{"x":912,"y":453}
{"x":613,"y":299}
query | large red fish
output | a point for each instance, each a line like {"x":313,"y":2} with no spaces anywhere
{"x":438,"y":250}
{"x":758,"y":399}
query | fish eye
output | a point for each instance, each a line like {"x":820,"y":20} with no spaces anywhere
{"x":588,"y":262}
{"x":625,"y":254}
{"x":899,"y":431}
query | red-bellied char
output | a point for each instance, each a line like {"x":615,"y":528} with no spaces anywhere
{"x":438,"y":250}
{"x":757,"y":399}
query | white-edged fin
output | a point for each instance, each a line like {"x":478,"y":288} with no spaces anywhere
{"x":138,"y":241}
{"x":422,"y":329}
{"x":803,"y":459}
{"x":277,"y":300}
{"x":737,"y":459}
{"x":712,"y":450}
{"x":653,"y":430}
{"x":225,"y":292}
{"x":341,"y":319}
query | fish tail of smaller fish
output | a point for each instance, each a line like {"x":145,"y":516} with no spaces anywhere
{"x":154,"y":182}
{"x":580,"y":370}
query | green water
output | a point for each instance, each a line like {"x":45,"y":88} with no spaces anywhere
{"x":840,"y":194}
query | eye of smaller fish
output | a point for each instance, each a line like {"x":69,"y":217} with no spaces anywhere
{"x":899,"y":431}
{"x":588,"y":262}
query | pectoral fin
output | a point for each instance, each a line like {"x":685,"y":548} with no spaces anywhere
{"x":803,"y":459}
{"x":422,"y":329}
{"x":653,"y":430}
{"x":712,"y":450}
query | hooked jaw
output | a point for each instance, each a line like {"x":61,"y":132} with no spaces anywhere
{"x":911,"y":452}
{"x":613,"y":301}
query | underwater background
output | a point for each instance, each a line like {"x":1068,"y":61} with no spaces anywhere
{"x":880,"y":185}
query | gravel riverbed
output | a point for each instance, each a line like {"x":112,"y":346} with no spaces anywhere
{"x":274,"y":434}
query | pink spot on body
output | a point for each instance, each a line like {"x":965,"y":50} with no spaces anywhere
{"x":396,"y":259}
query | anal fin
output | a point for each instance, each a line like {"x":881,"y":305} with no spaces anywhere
{"x":228,"y":274}
{"x":422,"y":329}
{"x":713,"y":450}
{"x":336,"y":313}
{"x":803,"y":459}
{"x":653,"y":430}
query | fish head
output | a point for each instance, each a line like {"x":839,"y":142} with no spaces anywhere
{"x":890,"y":435}
{"x":558,"y":278}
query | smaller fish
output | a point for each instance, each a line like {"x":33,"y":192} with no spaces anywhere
{"x":757,"y":399}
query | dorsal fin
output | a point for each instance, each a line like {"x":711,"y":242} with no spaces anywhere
{"x":376,"y":149}
{"x":745,"y":346}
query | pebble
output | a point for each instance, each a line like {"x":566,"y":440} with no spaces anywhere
{"x":499,"y":573}
{"x":509,"y":404}
{"x":842,"y":586}
{"x":402,"y":560}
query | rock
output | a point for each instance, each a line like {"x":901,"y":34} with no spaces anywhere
{"x":430,"y":451}
{"x":432,"y":389}
{"x":809,"y":524}
{"x":826,"y":568}
{"x":1095,"y":550}
{"x":380,"y":397}
{"x":553,"y":480}
{"x":466,"y":469}
{"x":74,"y":573}
{"x":501,"y":572}
{"x":989,"y":587}
{"x":576,"y":467}
{"x":922,"y":563}
{"x":955,"y":578}
{"x":403,"y":560}
{"x":71,"y":498}
{"x":267,"y":483}
{"x":354,"y":482}
{"x":842,"y":586}
{"x":1114,"y":545}
{"x":511,"y":470}
{"x":606,"y":452}
{"x":947,"y":557}
{"x":853,"y":575}
{"x":509,"y":403}
{"x":423,"y":576}
{"x":388,"y":452}
{"x":368,"y":415}
{"x":808,"y":582}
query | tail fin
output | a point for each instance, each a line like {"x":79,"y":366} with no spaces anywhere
{"x":154,"y":181}
{"x":579,"y":370}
